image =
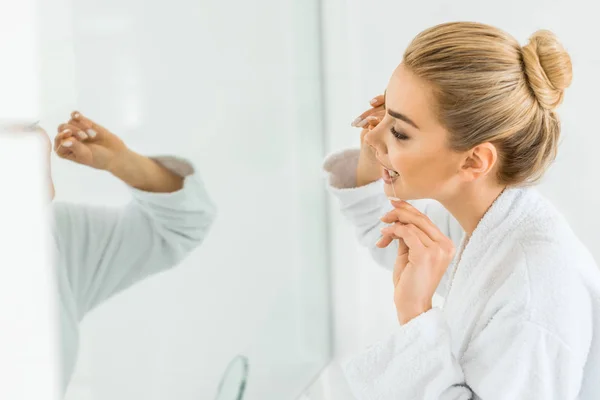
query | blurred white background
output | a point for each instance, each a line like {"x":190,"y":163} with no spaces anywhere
{"x":363,"y":43}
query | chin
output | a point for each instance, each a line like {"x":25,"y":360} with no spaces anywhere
{"x":401,"y":192}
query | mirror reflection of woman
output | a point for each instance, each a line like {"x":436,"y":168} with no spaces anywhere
{"x":101,"y":251}
{"x":440,"y":192}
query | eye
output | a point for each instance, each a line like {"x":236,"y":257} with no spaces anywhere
{"x":398,"y":135}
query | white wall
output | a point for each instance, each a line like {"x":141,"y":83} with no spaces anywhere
{"x":28,"y":307}
{"x":233,"y":86}
{"x":364,"y":42}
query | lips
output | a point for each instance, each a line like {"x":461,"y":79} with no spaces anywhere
{"x":389,"y":175}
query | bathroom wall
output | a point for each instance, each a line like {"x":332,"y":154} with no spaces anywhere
{"x":363,"y":43}
{"x":19,"y":98}
{"x":233,"y":86}
{"x":28,"y":309}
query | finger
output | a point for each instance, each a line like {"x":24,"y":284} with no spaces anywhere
{"x":67,"y":133}
{"x":384,"y":241}
{"x":400,"y":213}
{"x":414,"y":238}
{"x":388,"y":236}
{"x":360,"y":121}
{"x":72,"y":149}
{"x":377,"y":101}
{"x":63,"y":147}
{"x":90,"y":127}
{"x":82,"y":127}
{"x":372,"y":121}
{"x":411,"y":237}
{"x":78,"y":132}
{"x":423,"y":237}
{"x":397,"y":228}
{"x":407,"y":214}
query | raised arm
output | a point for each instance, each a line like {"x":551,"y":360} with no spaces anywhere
{"x":106,"y":249}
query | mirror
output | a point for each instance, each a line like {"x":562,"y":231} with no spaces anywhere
{"x":233,"y":383}
{"x":235,"y":97}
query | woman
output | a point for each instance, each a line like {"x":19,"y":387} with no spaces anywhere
{"x":468,"y":122}
{"x":101,"y":251}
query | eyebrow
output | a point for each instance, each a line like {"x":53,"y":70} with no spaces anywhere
{"x":401,"y":117}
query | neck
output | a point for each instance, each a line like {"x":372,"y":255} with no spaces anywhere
{"x":471,"y":204}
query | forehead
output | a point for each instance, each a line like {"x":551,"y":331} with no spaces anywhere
{"x":409,"y":95}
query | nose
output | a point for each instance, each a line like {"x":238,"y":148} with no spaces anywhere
{"x":374,"y":138}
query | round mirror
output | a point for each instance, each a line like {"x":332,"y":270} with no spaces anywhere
{"x":234,"y":380}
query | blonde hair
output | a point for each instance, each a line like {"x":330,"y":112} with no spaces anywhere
{"x":488,"y":88}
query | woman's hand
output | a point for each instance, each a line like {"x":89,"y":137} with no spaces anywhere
{"x":424,"y":254}
{"x":369,"y":169}
{"x":87,"y":143}
{"x":83,"y":141}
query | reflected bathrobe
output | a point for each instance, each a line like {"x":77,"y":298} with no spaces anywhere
{"x":521,"y":316}
{"x":100,"y":251}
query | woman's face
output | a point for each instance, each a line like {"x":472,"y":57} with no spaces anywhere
{"x":411,"y":142}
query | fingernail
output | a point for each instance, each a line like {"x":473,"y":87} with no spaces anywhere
{"x":82,"y":135}
{"x":356,"y":121}
{"x":378,"y":241}
{"x":65,"y":132}
{"x":362,"y":123}
{"x":394,"y":199}
{"x":92,"y":133}
{"x":374,"y":101}
{"x":68,"y":143}
{"x":76,"y":115}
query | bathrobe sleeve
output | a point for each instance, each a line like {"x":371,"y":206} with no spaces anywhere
{"x":105,"y":250}
{"x":509,"y":359}
{"x":363,"y":206}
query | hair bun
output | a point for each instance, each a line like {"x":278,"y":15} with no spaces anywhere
{"x":547,"y":67}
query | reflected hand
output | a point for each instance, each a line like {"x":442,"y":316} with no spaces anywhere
{"x":424,"y":254}
{"x":83,"y":141}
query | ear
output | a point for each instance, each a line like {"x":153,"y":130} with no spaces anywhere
{"x":479,"y":161}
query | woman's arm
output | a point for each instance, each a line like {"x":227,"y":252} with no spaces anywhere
{"x":145,"y":174}
{"x":510,"y":359}
{"x":104,"y":250}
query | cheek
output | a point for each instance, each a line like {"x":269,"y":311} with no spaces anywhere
{"x":410,"y":161}
{"x":419,"y":166}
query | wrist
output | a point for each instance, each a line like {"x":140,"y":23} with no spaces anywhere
{"x":123,"y":160}
{"x":407,"y":314}
{"x":144,"y":173}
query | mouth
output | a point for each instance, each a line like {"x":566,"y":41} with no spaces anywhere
{"x":389,"y":175}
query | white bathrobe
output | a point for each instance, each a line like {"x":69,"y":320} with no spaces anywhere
{"x":521,"y":316}
{"x":101,"y":251}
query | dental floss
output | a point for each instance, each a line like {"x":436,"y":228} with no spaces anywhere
{"x":394,"y":189}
